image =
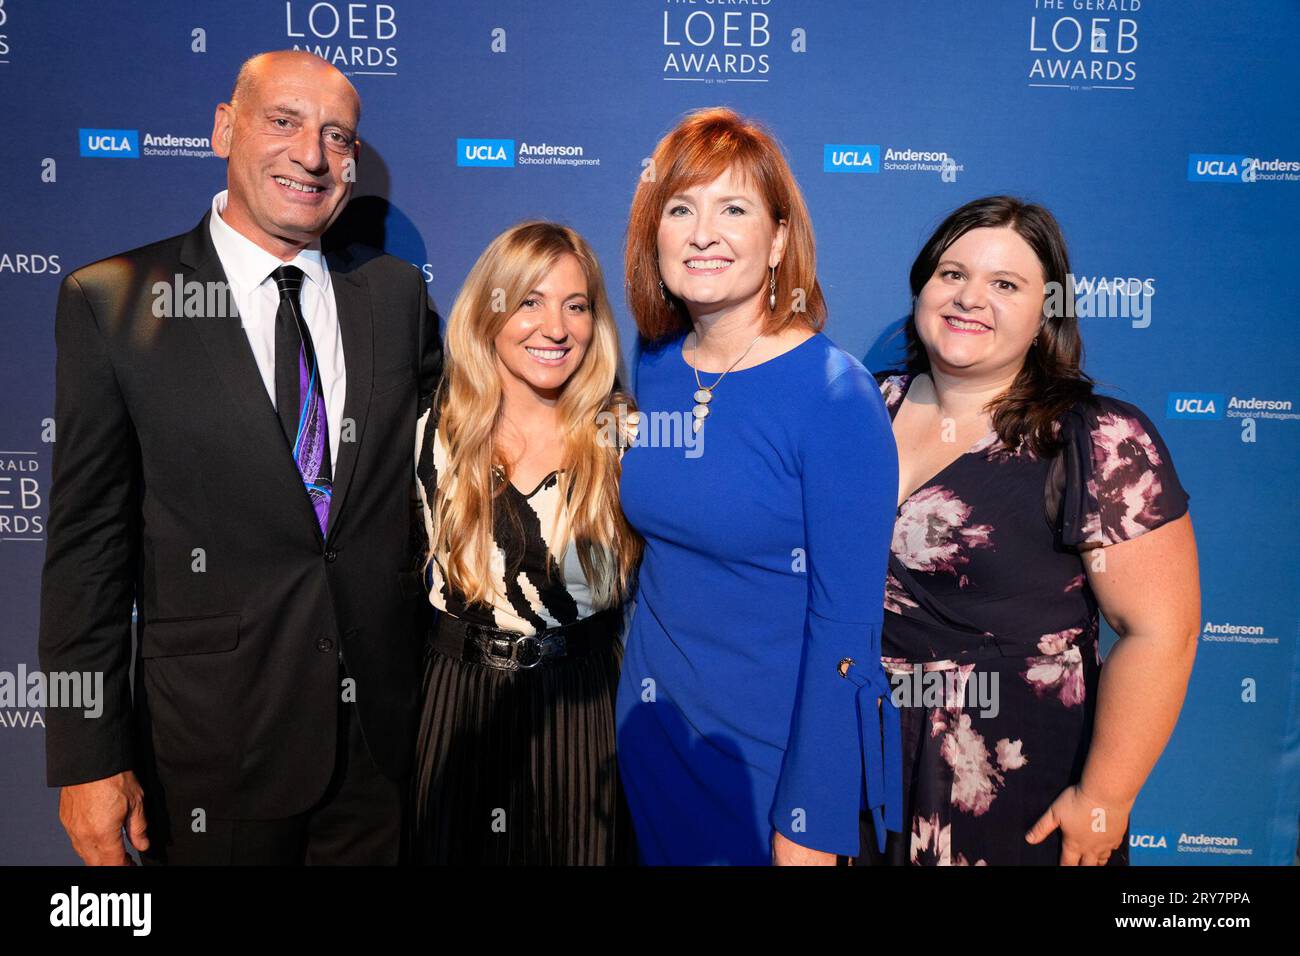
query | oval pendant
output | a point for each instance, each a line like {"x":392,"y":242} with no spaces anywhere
{"x":700,"y":411}
{"x":703,"y":396}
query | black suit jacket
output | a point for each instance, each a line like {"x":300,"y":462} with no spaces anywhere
{"x":173,"y":487}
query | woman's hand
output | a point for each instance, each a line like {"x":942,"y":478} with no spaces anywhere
{"x":788,"y":853}
{"x":1090,"y":830}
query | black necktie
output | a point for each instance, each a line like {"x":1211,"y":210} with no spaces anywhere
{"x":299,"y":396}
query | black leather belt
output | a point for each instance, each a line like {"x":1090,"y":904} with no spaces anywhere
{"x":512,"y":651}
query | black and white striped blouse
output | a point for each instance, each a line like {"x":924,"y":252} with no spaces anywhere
{"x":532,"y":592}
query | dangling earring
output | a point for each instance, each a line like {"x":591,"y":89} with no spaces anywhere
{"x":664,"y":293}
{"x":771,"y":298}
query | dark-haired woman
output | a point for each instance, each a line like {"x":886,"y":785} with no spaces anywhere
{"x":1026,"y":504}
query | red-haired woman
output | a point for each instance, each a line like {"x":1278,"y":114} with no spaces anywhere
{"x":751,"y":698}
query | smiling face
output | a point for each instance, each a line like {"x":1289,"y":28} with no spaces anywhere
{"x":544,"y":341}
{"x":981,"y":309}
{"x":716,"y":243}
{"x":287,"y":140}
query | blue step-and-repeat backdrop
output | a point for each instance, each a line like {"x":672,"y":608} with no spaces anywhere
{"x":1165,"y":135}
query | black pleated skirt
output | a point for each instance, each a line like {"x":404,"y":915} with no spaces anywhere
{"x":517,"y":767}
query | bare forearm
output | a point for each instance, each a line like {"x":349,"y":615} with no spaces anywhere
{"x":1143,"y":684}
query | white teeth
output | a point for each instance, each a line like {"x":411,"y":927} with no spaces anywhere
{"x":301,"y":187}
{"x":547,"y":353}
{"x":707,"y":263}
{"x":961,"y":324}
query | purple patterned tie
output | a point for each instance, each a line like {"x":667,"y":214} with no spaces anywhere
{"x":299,"y":397}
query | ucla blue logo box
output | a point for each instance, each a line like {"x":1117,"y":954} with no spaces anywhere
{"x":1215,"y":167}
{"x":110,"y":143}
{"x":1194,"y":405}
{"x":485,"y":152}
{"x":839,"y":158}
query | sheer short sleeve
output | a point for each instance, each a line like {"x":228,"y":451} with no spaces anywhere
{"x":1119,"y":479}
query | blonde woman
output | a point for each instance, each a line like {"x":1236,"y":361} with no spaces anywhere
{"x":530,"y":561}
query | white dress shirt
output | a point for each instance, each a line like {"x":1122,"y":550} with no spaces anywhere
{"x":248,"y":270}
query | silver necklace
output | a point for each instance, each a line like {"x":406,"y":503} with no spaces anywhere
{"x":704,"y":393}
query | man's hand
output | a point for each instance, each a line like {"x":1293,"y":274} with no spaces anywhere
{"x":788,"y":853}
{"x":94,"y":814}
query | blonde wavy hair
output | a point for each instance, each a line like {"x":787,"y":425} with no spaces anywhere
{"x":469,"y":405}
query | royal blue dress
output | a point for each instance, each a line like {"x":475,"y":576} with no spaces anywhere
{"x":764,"y":571}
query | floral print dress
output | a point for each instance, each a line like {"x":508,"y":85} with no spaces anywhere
{"x":991,"y":627}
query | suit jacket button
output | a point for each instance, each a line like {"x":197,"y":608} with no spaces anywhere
{"x":324,"y":645}
{"x":331,"y":555}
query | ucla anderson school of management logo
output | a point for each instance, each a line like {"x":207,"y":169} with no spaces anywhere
{"x":1215,"y":406}
{"x":863,"y":158}
{"x":503,"y":154}
{"x":1239,"y":168}
{"x":128,"y":144}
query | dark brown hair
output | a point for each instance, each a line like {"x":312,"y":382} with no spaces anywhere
{"x":697,"y":150}
{"x":1052,"y":379}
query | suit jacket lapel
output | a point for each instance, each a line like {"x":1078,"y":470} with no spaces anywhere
{"x":254,"y":414}
{"x":356,"y":326}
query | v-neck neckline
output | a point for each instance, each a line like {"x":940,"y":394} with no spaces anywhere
{"x":907,"y":387}
{"x":526,"y":495}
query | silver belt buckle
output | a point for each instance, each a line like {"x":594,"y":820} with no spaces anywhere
{"x":526,"y":651}
{"x":532,"y":657}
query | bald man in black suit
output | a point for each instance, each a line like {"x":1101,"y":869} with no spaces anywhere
{"x":242,"y":477}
